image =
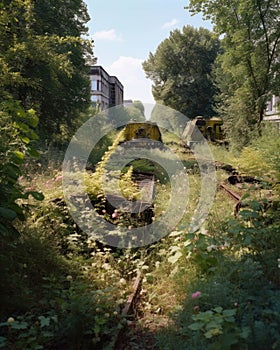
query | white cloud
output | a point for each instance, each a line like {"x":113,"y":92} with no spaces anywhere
{"x":170,"y":24}
{"x":130,"y":73}
{"x":107,"y":35}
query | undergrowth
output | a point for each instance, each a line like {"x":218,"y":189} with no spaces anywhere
{"x":218,"y":286}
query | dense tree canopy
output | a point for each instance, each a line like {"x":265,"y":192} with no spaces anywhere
{"x":44,"y":86}
{"x":181,"y":71}
{"x":248,"y":72}
{"x":42,"y":59}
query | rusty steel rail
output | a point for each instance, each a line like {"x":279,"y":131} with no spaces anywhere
{"x":128,"y":309}
{"x":232,"y":194}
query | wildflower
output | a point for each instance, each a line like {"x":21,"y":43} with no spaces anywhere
{"x":59,"y":177}
{"x":196,"y":295}
{"x":97,"y":309}
{"x":115,"y":215}
{"x":69,"y":278}
{"x":11,"y":320}
{"x":122,"y":281}
{"x":115,"y":313}
{"x":196,"y":308}
{"x":107,"y":315}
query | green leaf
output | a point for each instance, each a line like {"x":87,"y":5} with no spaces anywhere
{"x":33,"y":152}
{"x":245,"y":332}
{"x":25,"y":139}
{"x":19,"y":325}
{"x":229,"y":319}
{"x":196,"y":326}
{"x":229,"y":312}
{"x":213,"y":332}
{"x":32,"y":134}
{"x":22,"y":127}
{"x":13,"y":171}
{"x":37,"y":195}
{"x":214,"y":324}
{"x":8,"y":213}
{"x":19,"y":156}
{"x":44,"y":321}
{"x":218,"y":309}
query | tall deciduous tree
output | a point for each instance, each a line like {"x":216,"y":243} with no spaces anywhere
{"x":44,"y":56}
{"x":181,"y":71}
{"x":249,"y":66}
{"x":43,"y":78}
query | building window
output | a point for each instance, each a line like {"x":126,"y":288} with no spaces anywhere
{"x":269,"y":106}
{"x":93,"y":98}
{"x":93,"y":85}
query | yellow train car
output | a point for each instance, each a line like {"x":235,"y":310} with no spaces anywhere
{"x":142,"y":130}
{"x":201,"y":127}
{"x":212,"y":129}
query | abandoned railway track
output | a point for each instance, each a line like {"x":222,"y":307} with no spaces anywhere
{"x":236,"y":197}
{"x":128,"y":309}
{"x":142,"y":210}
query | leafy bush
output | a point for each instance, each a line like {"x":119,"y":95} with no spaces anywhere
{"x":220,"y":326}
{"x":261,"y":157}
{"x":17,"y":133}
{"x":77,"y":315}
{"x":256,"y":232}
{"x":236,"y":305}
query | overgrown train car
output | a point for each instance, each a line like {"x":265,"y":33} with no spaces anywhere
{"x":200,"y":127}
{"x":143,"y":134}
{"x":139,"y":130}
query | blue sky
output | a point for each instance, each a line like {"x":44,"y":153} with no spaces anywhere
{"x":125,"y":31}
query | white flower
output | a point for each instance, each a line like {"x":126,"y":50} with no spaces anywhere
{"x":122,"y":281}
{"x":11,"y":320}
